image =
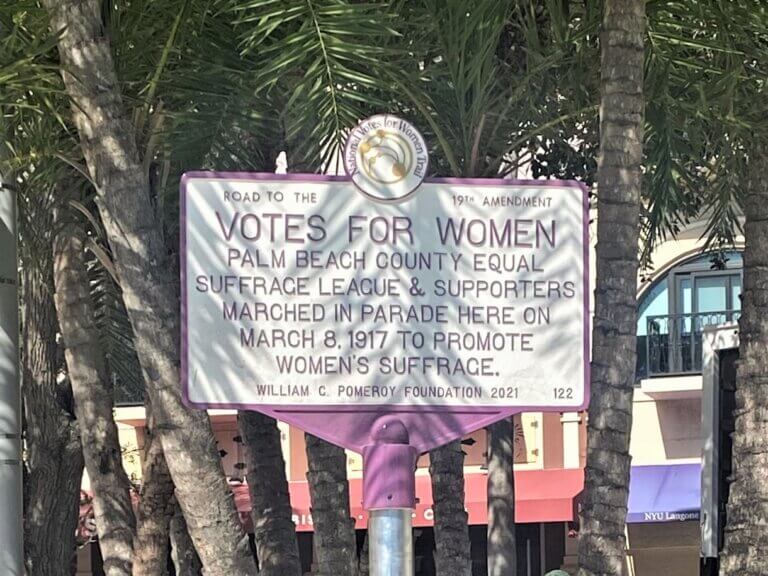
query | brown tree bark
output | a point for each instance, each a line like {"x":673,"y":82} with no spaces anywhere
{"x":186,"y":562}
{"x":156,"y":506}
{"x":363,"y":562}
{"x":502,"y":547}
{"x":93,"y":395}
{"x":273,"y":529}
{"x":334,"y":541}
{"x":602,"y":546}
{"x":54,"y":459}
{"x":746,"y":537}
{"x":150,"y":288}
{"x":452,"y":551}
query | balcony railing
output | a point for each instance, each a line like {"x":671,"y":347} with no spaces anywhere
{"x":673,"y":342}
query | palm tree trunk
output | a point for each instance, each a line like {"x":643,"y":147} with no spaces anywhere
{"x":601,"y":539}
{"x":334,"y":541}
{"x":149,"y":285}
{"x":452,"y":551}
{"x":273,"y":528}
{"x":502,"y":547}
{"x":186,"y":562}
{"x":92,"y":390}
{"x":156,"y":506}
{"x":746,"y":538}
{"x":363,"y":564}
{"x":54,"y":459}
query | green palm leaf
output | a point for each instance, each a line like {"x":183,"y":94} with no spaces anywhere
{"x":320,"y":58}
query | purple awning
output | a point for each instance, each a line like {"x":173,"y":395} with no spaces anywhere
{"x":667,"y":493}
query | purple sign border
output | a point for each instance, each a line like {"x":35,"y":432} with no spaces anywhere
{"x":348,"y":425}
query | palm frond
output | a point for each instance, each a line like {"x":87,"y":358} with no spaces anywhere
{"x":499,"y":81}
{"x":320,"y":59}
{"x":705,"y":79}
{"x":27,"y":56}
{"x":115,"y":329}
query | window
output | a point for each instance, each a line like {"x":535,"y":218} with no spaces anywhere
{"x":698,"y":293}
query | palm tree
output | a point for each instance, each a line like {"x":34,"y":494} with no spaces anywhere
{"x":334,"y":542}
{"x":704,"y":146}
{"x":738,"y":149}
{"x":493,"y":84}
{"x":319,"y":73}
{"x":43,"y":151}
{"x":502,"y":546}
{"x":93,"y":401}
{"x":37,"y":142}
{"x":273,"y":529}
{"x":140,"y":258}
{"x":452,"y":548}
{"x":451,"y":70}
{"x":157,"y":504}
{"x":182,"y":118}
{"x":54,"y":459}
{"x":601,"y":538}
{"x":183,"y":554}
{"x":745,"y":535}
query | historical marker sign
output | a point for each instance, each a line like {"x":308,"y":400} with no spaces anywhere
{"x":301,"y":292}
{"x":383,"y":312}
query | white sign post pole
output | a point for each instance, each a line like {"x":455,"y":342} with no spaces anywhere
{"x":11,"y":551}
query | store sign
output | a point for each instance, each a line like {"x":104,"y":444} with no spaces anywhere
{"x":664,"y":516}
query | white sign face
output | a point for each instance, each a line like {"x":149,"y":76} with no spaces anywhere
{"x":300,"y":291}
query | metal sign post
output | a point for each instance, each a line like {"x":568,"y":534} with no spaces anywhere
{"x":11,"y":551}
{"x":382,"y":312}
{"x":389,"y":496}
{"x":390,"y":542}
